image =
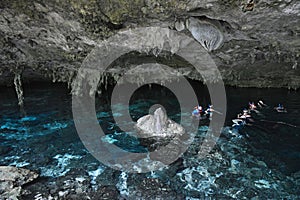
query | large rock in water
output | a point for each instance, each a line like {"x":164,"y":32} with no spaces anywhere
{"x":12,"y":179}
{"x":158,"y":125}
{"x":161,"y":135}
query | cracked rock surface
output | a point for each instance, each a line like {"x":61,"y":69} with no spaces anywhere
{"x":12,"y":179}
{"x":255,"y":43}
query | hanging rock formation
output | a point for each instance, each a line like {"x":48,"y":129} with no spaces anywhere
{"x":209,"y":36}
{"x":254,"y":43}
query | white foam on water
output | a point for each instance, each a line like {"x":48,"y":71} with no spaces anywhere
{"x":94,"y":174}
{"x":61,"y":168}
{"x":109,"y":139}
{"x":153,"y":174}
{"x":231,"y":132}
{"x":203,"y":185}
{"x":146,"y":164}
{"x":122,"y":184}
{"x":102,"y":114}
{"x":16,"y":162}
{"x":12,"y":157}
{"x":28,"y":119}
{"x":19,"y":164}
{"x":262,"y":184}
{"x":14,"y":127}
{"x":234,"y":166}
{"x":55,"y":126}
{"x":203,"y":128}
{"x":80,"y":179}
{"x":117,"y":114}
{"x":233,"y":192}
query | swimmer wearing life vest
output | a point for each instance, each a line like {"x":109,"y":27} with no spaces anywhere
{"x":198,"y":111}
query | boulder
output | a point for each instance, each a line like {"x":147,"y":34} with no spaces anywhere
{"x":12,"y":179}
{"x":158,"y":125}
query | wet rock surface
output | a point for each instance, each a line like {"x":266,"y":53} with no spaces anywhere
{"x":162,"y":136}
{"x":254,"y":43}
{"x":12,"y":179}
{"x":74,"y":185}
{"x":158,"y":125}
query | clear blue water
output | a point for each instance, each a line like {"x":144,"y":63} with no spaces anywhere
{"x":45,"y":139}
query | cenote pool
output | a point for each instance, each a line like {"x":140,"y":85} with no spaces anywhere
{"x":261,"y":161}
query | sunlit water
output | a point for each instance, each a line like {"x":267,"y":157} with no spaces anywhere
{"x":261,"y":157}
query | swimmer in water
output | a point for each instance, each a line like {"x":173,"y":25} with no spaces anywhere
{"x":252,"y":106}
{"x":280,"y":108}
{"x":198,"y":111}
{"x":261,"y":104}
{"x":209,"y":111}
{"x":244,"y":115}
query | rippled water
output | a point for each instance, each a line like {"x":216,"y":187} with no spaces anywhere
{"x":259,"y":160}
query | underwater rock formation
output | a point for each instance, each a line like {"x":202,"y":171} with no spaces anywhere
{"x":254,"y":43}
{"x":158,"y":125}
{"x":12,"y":179}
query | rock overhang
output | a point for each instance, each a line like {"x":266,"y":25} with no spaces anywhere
{"x":258,"y":46}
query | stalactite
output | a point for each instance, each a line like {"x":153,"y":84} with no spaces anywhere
{"x":53,"y":77}
{"x":105,"y":81}
{"x":295,"y":65}
{"x":19,"y":91}
{"x":70,"y":78}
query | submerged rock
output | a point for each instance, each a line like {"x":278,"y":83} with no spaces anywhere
{"x":12,"y":179}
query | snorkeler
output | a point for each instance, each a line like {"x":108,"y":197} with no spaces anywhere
{"x":209,"y":109}
{"x":261,"y":104}
{"x":244,"y":115}
{"x":238,"y":123}
{"x":198,"y":111}
{"x":280,"y":108}
{"x":252,"y":106}
{"x":243,"y":119}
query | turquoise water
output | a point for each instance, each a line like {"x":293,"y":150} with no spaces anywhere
{"x":259,"y":160}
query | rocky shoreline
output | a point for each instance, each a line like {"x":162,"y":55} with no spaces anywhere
{"x":12,"y":180}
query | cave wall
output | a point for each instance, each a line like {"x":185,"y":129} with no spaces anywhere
{"x":257,"y":45}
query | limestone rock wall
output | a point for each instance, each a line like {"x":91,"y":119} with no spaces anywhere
{"x":257,"y":42}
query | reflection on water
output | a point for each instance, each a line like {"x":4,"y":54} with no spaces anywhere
{"x":261,"y":157}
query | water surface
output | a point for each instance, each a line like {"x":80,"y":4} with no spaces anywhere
{"x":256,"y":160}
